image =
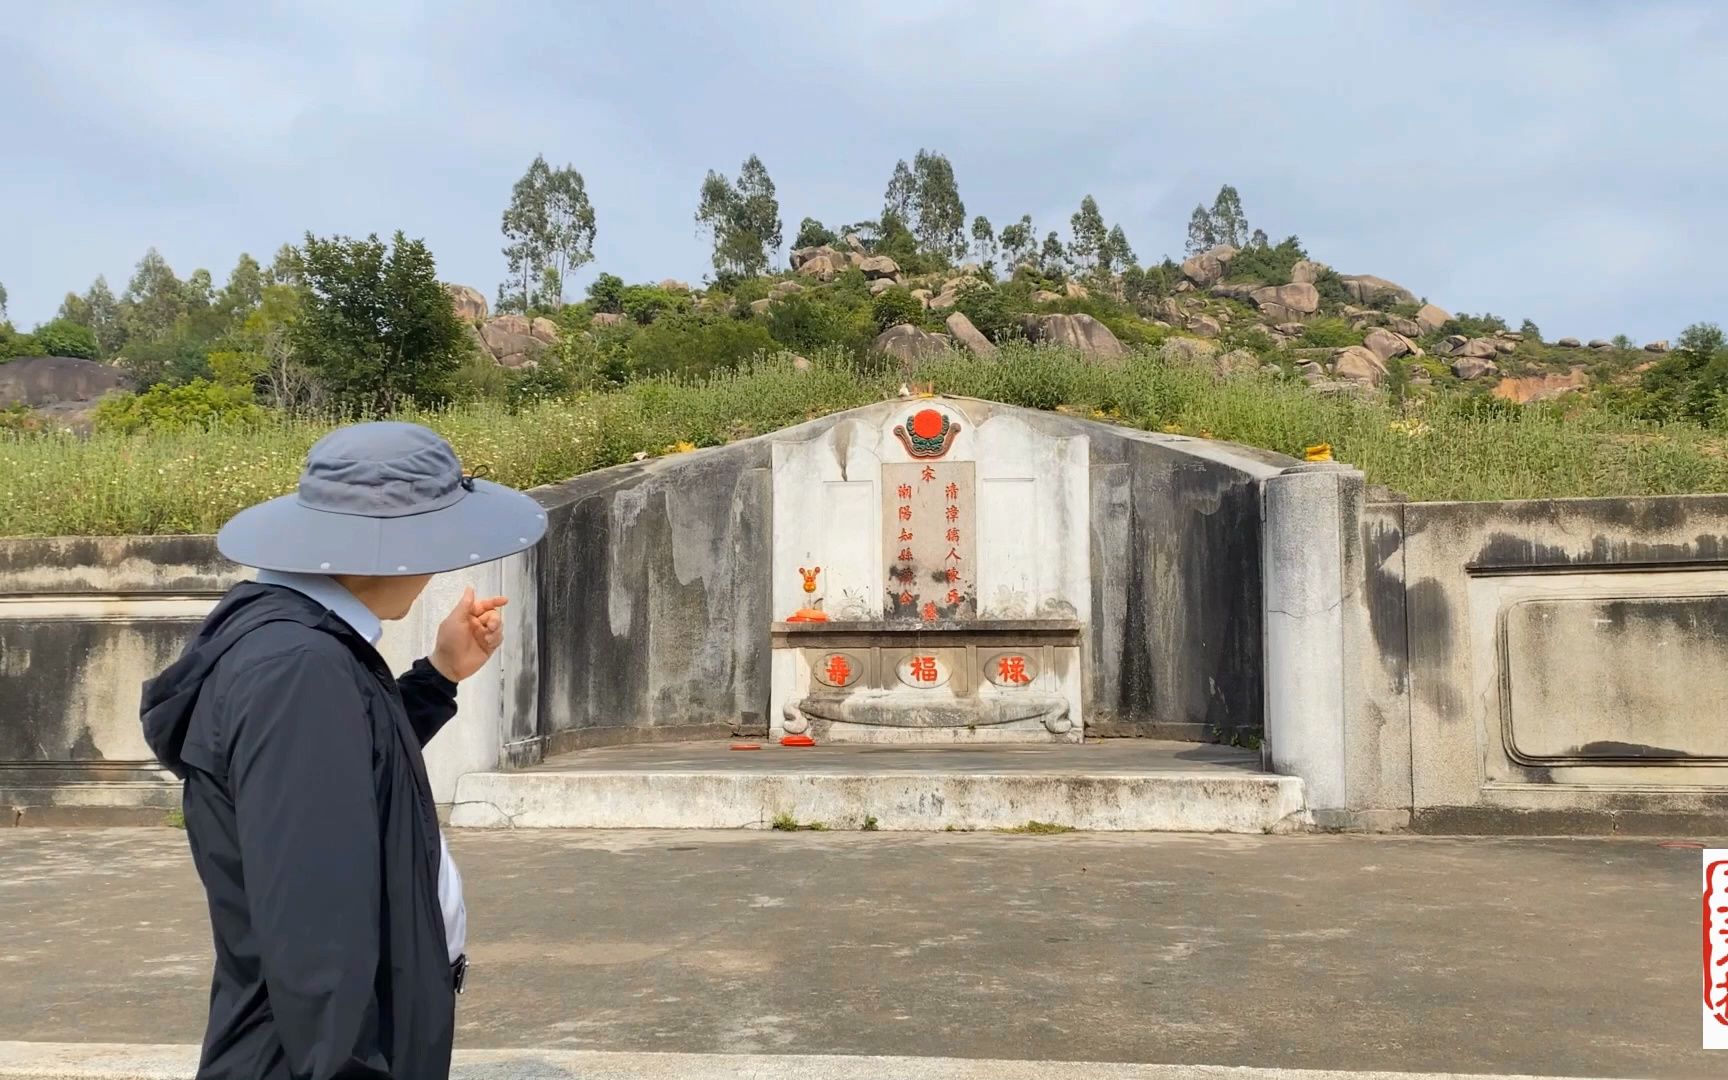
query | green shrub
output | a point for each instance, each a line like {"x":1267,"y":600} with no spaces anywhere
{"x":197,"y":405}
{"x":646,"y":303}
{"x":1483,"y":325}
{"x":64,"y":338}
{"x":693,"y":346}
{"x":19,"y":418}
{"x":851,"y":289}
{"x":750,"y":290}
{"x":891,"y":307}
{"x":13,"y":344}
{"x":547,"y":381}
{"x":606,"y":294}
{"x":998,"y":312}
{"x":812,"y":233}
{"x":1141,"y":288}
{"x":1330,"y":334}
{"x":806,"y":323}
{"x":1330,"y":286}
{"x":1267,"y":264}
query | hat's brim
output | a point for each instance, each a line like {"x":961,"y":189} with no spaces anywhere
{"x":487,"y":523}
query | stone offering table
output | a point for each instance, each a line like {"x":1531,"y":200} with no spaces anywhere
{"x":999,"y":680}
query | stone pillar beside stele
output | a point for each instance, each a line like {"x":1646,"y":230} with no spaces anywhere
{"x":1309,"y":510}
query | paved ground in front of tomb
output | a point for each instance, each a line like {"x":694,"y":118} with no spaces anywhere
{"x":1550,"y":957}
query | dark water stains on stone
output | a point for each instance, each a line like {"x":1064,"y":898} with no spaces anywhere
{"x":1388,"y":615}
{"x":1511,"y":551}
{"x":1610,"y":749}
{"x":1702,"y":620}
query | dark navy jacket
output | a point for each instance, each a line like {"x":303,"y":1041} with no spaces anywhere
{"x":312,"y":825}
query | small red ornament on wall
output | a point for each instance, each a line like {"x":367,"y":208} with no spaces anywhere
{"x":927,"y":433}
{"x":809,"y":612}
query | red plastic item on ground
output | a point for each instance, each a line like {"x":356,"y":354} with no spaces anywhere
{"x":797,"y":740}
{"x":746,"y":746}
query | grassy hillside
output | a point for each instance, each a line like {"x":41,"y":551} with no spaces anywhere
{"x":1444,"y":447}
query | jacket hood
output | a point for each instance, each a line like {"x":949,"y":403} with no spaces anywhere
{"x":170,"y":697}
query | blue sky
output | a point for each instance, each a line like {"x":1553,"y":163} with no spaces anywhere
{"x":1564,"y":162}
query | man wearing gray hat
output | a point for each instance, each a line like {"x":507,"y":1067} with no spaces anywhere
{"x":337,"y":912}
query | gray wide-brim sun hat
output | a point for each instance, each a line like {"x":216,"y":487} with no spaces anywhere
{"x":383,"y":500}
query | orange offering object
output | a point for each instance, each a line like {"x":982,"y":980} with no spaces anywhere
{"x":808,"y":615}
{"x":746,"y":746}
{"x":797,"y":740}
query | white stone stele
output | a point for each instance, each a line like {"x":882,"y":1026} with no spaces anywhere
{"x":1032,"y":542}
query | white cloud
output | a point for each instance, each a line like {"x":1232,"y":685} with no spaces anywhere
{"x":1543,"y":159}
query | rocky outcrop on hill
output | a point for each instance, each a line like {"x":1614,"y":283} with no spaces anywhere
{"x":968,"y":335}
{"x":906,"y":342}
{"x":1207,"y":268}
{"x":1527,"y":388}
{"x":1358,"y":364}
{"x":35,"y":381}
{"x":880,"y":267}
{"x":1204,"y":326}
{"x":823,"y":266}
{"x":1366,"y":288}
{"x":63,"y":390}
{"x":1429,"y":319}
{"x":1080,"y":332}
{"x":1189,"y":350}
{"x":1280,"y":303}
{"x":1386,"y":344}
{"x":1470,"y":368}
{"x":517,"y":341}
{"x":470,"y":305}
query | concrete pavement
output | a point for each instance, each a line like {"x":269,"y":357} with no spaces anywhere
{"x":1343,"y":953}
{"x":87,"y":1061}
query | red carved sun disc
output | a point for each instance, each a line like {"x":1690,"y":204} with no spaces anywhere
{"x":927,"y":424}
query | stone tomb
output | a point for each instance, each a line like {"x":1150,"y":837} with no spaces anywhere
{"x":946,"y":550}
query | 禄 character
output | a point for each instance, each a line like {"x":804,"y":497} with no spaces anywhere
{"x":1012,"y":669}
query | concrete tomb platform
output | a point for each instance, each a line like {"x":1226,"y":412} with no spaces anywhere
{"x":1111,"y":785}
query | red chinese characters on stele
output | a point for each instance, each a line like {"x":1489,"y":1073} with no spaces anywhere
{"x":1716,"y":949}
{"x":1012,"y":669}
{"x":924,"y":669}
